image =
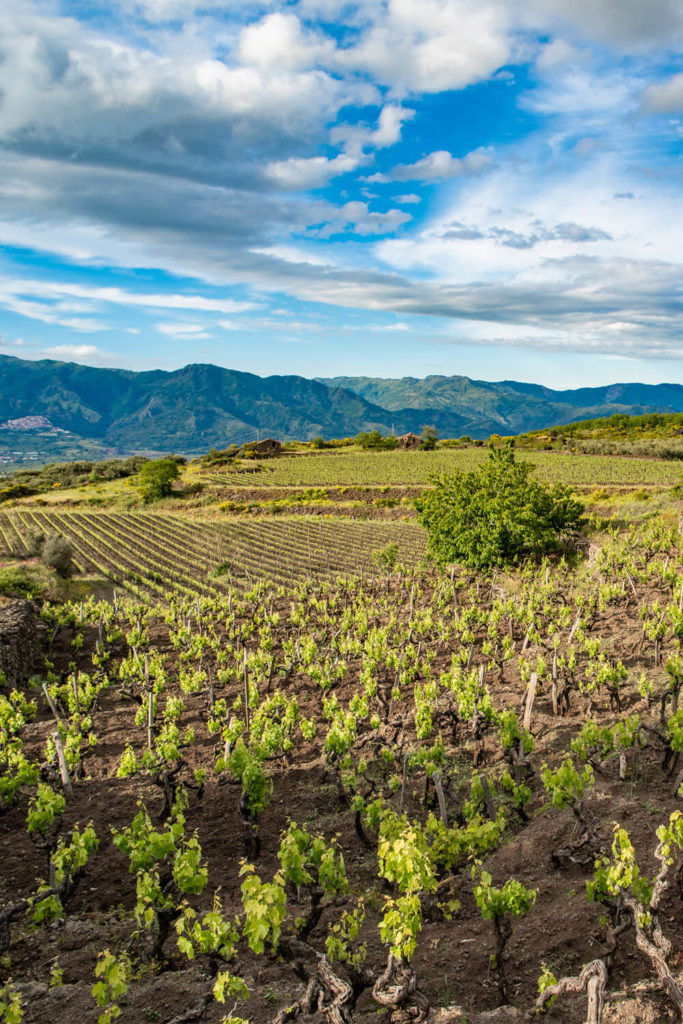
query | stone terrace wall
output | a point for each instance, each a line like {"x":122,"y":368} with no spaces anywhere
{"x":20,"y":641}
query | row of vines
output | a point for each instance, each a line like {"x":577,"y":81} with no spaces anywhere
{"x":352,"y":469}
{"x":150,"y":553}
{"x":293,"y":795}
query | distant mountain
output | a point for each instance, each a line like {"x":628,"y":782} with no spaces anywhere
{"x":459,"y":405}
{"x":185,"y":410}
{"x":201,"y":406}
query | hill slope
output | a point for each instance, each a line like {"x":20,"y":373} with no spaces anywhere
{"x":457,"y":405}
{"x":186,"y":410}
{"x":201,"y":405}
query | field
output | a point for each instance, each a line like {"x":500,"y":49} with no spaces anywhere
{"x":354,"y":468}
{"x":272,"y":766}
{"x":161,"y":554}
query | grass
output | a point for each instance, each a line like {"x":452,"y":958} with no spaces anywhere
{"x":27,"y":581}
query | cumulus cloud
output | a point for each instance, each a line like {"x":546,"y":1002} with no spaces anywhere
{"x":149,"y":140}
{"x":279,"y":40}
{"x":309,"y":172}
{"x":437,"y":166}
{"x":175,"y":107}
{"x":357,"y":137}
{"x":427,"y":46}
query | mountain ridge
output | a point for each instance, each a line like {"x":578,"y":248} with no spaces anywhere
{"x":203,"y":405}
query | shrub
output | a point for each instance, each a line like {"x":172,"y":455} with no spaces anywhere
{"x":155,"y":479}
{"x":497,"y":514}
{"x":23,"y":581}
{"x":58,"y":554}
{"x":35,"y":540}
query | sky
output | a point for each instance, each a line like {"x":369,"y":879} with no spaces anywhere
{"x":321,"y":187}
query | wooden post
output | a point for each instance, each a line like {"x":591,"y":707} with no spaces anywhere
{"x":53,"y":706}
{"x":577,"y":623}
{"x":246,"y":691}
{"x":488,"y":798}
{"x":436,"y":779}
{"x":403,"y":782}
{"x":150,"y":719}
{"x":63,"y":767}
{"x":530,"y":697}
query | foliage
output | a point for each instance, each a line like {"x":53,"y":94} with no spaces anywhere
{"x":513,"y":898}
{"x":57,"y":552}
{"x":619,"y":872}
{"x":155,"y":479}
{"x":565,"y":785}
{"x":374,"y":441}
{"x":114,"y":975}
{"x":11,"y":1011}
{"x":497,"y":514}
{"x":264,"y":910}
{"x":25,"y":581}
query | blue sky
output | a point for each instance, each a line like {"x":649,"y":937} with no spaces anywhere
{"x":324,"y":187}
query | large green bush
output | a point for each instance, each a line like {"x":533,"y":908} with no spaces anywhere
{"x":155,"y":479}
{"x":497,"y":514}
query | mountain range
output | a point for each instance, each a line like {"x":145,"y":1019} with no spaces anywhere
{"x":202,"y":405}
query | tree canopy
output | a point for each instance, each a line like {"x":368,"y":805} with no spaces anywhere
{"x":155,"y":478}
{"x":497,"y":514}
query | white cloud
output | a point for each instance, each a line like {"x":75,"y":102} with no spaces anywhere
{"x":309,"y":172}
{"x":665,"y":97}
{"x":559,"y":51}
{"x":437,"y":166}
{"x":184,"y":331}
{"x":357,"y":137}
{"x":364,"y":222}
{"x":11,"y":290}
{"x":279,"y":41}
{"x":428,"y":46}
{"x":409,"y":198}
{"x":628,"y":25}
{"x":75,"y":352}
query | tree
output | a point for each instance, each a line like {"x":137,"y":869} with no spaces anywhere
{"x":58,"y":554}
{"x":155,"y":478}
{"x":428,"y":439}
{"x":497,"y":514}
{"x":374,"y":441}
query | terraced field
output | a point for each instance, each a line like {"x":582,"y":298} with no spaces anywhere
{"x":354,"y":468}
{"x":163,"y":553}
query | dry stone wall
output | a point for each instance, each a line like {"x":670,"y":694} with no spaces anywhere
{"x":20,"y":641}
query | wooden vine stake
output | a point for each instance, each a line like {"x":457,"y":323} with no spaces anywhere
{"x":150,"y":705}
{"x":436,"y":779}
{"x":246,"y":692}
{"x":403,"y":782}
{"x":530,"y":698}
{"x":53,"y":706}
{"x":553,"y":688}
{"x":63,"y":767}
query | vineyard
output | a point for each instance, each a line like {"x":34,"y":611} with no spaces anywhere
{"x":423,"y":794}
{"x":409,"y":468}
{"x":156,"y":554}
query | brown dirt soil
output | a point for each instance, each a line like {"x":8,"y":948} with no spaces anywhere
{"x":453,"y":958}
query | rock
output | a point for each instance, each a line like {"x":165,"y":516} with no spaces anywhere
{"x":20,"y":642}
{"x":456,"y":1015}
